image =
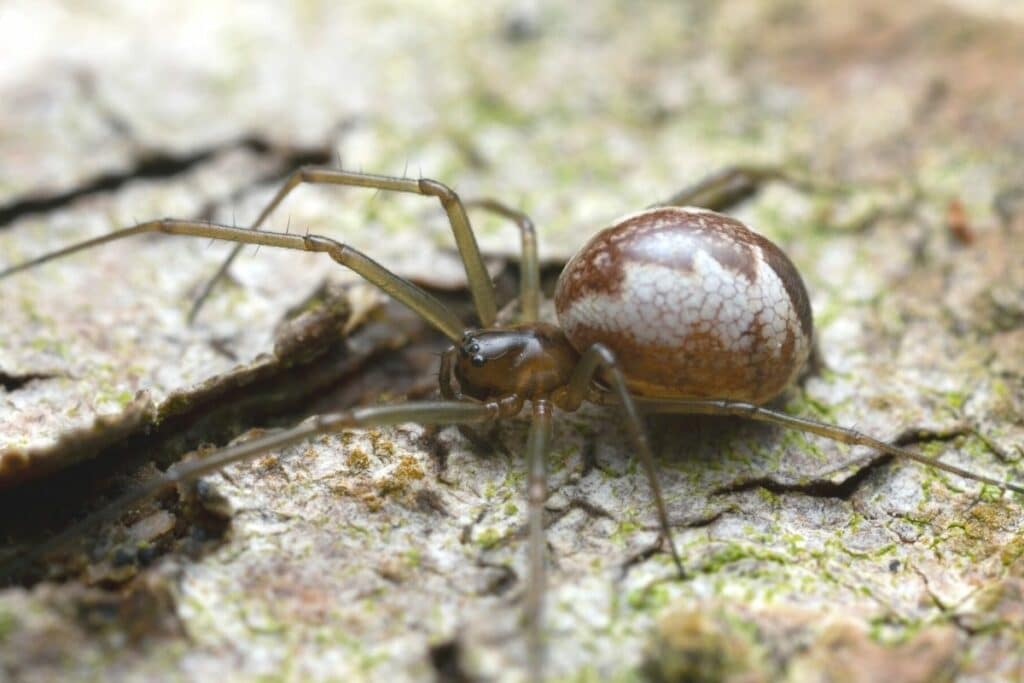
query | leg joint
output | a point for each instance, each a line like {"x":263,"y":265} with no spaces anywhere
{"x":605,"y":356}
{"x":511,"y":405}
{"x":303,"y":174}
{"x":434,"y":188}
{"x":536,"y":493}
{"x":324,"y":244}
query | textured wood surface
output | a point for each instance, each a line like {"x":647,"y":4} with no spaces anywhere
{"x":383,"y":555}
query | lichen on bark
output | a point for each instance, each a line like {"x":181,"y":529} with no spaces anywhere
{"x":391,"y":554}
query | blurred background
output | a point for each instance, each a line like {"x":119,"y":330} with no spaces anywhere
{"x":574,"y":113}
{"x":116,"y":112}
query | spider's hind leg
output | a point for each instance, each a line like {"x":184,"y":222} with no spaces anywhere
{"x":725,"y":189}
{"x":807,"y":425}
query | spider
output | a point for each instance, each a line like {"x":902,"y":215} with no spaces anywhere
{"x":674,"y":309}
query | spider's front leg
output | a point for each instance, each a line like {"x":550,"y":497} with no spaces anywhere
{"x":422,"y":303}
{"x":425,"y":412}
{"x":480,"y":285}
{"x":529,"y":261}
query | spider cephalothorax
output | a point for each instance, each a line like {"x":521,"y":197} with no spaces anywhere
{"x":528,"y":361}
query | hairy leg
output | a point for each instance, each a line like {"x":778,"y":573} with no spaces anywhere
{"x":432,"y":310}
{"x":480,"y":285}
{"x":529,"y":262}
{"x":426,"y":412}
{"x":536,"y":495}
{"x":834,"y":432}
{"x":730,"y":186}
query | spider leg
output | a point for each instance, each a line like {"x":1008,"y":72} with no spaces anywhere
{"x":480,"y":285}
{"x":836,"y":433}
{"x":600,"y":357}
{"x":730,"y":186}
{"x":398,"y":288}
{"x":536,"y":494}
{"x":529,"y":262}
{"x":426,"y":412}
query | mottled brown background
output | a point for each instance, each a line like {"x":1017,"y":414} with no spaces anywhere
{"x":349,"y":558}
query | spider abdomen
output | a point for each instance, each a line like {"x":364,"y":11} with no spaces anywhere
{"x":692,"y":302}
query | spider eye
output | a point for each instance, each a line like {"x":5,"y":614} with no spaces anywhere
{"x":469,"y":345}
{"x":477,"y":361}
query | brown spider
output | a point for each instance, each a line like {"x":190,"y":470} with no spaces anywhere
{"x":674,"y":309}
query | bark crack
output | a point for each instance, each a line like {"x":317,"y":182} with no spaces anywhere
{"x":12,"y":382}
{"x":846,"y":488}
{"x":157,"y":163}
